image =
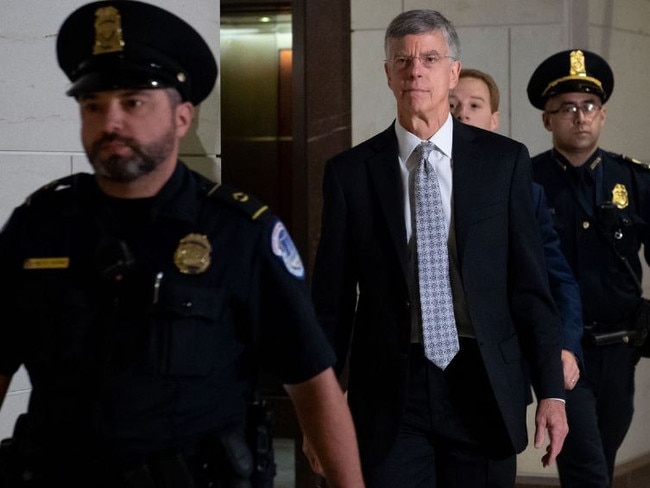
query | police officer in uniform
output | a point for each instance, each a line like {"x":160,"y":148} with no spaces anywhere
{"x":146,"y":297}
{"x":601,"y":206}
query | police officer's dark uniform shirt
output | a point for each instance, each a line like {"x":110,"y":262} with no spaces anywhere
{"x":131,"y":346}
{"x":600,"y":209}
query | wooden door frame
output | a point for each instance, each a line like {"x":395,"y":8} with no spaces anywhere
{"x":322,"y":122}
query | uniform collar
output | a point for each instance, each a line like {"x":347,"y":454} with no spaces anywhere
{"x":179,"y":197}
{"x":172,"y":201}
{"x":591,"y":165}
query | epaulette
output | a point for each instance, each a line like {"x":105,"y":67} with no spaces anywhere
{"x":630,"y":160}
{"x":244,"y":201}
{"x":49,"y":189}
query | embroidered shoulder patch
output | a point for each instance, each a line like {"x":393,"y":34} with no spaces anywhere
{"x":284,"y":248}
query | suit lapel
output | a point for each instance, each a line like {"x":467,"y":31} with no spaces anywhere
{"x":383,"y":169}
{"x":466,"y":180}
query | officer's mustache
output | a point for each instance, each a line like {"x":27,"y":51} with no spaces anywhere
{"x":108,"y":138}
{"x":127,"y":141}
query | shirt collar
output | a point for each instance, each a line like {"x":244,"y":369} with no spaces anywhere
{"x":407,"y":142}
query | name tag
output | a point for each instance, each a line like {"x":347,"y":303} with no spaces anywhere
{"x":46,"y":263}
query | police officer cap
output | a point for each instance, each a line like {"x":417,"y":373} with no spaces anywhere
{"x":570,"y":71}
{"x":121,"y":44}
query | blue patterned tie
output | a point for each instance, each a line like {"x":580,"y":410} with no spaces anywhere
{"x":438,"y":324}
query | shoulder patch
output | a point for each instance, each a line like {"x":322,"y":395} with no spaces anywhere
{"x":53,"y":187}
{"x":244,"y":201}
{"x":285,"y":249}
{"x":630,"y":159}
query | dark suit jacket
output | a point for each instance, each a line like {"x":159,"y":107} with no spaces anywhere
{"x":363,"y":248}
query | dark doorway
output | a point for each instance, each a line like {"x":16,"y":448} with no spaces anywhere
{"x":281,"y":168}
{"x":256,"y":108}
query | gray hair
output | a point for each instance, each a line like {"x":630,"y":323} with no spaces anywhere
{"x":422,"y":22}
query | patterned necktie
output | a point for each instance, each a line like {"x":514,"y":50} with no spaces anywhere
{"x":438,"y":324}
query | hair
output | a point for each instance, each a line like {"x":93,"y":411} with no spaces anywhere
{"x":493,"y":89}
{"x":422,"y":22}
{"x":175,"y":98}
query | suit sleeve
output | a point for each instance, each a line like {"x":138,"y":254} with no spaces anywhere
{"x":334,"y":280}
{"x":564,"y":287}
{"x":533,"y":310}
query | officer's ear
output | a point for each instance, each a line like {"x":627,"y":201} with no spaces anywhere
{"x":546,"y":120}
{"x":184,"y":113}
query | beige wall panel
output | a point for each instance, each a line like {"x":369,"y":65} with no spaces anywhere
{"x":529,"y":47}
{"x":373,"y":14}
{"x":373,"y":105}
{"x":627,"y":15}
{"x":209,"y":167}
{"x":32,"y":86}
{"x":628,"y":112}
{"x":494,"y":12}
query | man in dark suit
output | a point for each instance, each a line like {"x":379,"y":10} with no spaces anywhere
{"x":418,"y":424}
{"x":475,"y":101}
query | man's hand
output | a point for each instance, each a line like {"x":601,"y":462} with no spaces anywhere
{"x":551,"y":416}
{"x":570,"y":369}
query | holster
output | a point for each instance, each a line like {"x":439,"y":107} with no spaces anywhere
{"x":260,"y":437}
{"x":228,"y":459}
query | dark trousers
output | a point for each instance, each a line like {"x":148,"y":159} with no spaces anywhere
{"x":599,"y":411}
{"x":437,"y":446}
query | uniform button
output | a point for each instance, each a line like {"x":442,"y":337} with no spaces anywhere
{"x":186,"y":305}
{"x":586,"y":224}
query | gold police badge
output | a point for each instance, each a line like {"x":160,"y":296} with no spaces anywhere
{"x":619,"y":196}
{"x":108,"y":31}
{"x":192,"y":255}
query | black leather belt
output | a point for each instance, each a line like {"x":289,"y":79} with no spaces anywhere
{"x":599,"y":334}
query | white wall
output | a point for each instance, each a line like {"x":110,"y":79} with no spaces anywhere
{"x":508,"y":39}
{"x":39,"y":128}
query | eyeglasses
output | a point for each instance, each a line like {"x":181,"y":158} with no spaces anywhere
{"x":427,"y":60}
{"x":570,"y":110}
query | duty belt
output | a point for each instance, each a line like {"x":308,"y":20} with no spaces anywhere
{"x":600,"y":334}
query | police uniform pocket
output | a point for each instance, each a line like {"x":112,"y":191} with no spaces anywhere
{"x":188,"y":335}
